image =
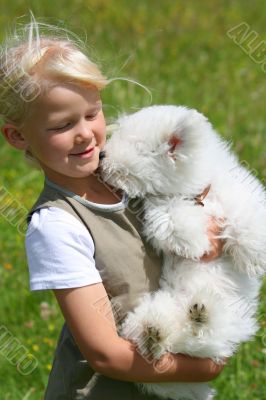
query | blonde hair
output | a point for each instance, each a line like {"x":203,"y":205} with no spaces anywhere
{"x":31,"y":61}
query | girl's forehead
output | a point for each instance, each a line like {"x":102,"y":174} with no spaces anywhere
{"x":61,"y":101}
{"x":65,"y":95}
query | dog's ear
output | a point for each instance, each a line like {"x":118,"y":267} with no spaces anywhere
{"x":174,"y":142}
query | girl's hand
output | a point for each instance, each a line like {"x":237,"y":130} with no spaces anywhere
{"x":190,"y":369}
{"x":216,"y":244}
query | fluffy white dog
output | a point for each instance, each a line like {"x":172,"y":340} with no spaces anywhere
{"x":172,"y":158}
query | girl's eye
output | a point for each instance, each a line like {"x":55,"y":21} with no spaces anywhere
{"x":91,"y":117}
{"x":60,"y":128}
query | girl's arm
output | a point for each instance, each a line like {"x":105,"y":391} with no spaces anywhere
{"x":87,"y":312}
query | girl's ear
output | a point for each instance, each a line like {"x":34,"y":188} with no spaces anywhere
{"x":14,"y":137}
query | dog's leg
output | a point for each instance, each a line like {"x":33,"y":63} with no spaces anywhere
{"x":179,"y":391}
{"x":244,"y":202}
{"x":177,"y":226}
{"x":151,"y":323}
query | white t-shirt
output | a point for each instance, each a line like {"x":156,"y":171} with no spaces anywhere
{"x":60,"y":249}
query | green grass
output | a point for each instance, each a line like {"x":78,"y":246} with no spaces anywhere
{"x":181,"y":51}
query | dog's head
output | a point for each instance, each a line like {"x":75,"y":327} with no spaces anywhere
{"x":158,"y":150}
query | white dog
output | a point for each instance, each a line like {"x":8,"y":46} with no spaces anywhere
{"x":172,"y":158}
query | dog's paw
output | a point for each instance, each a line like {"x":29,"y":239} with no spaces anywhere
{"x":196,"y":251}
{"x":185,"y":244}
{"x":177,"y":227}
{"x":198,"y":314}
{"x":194,"y":247}
{"x":189,"y":236}
{"x":151,"y":342}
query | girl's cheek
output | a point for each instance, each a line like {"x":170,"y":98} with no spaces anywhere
{"x":57,"y":142}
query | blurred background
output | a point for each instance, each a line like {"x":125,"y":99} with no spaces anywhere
{"x":209,"y":55}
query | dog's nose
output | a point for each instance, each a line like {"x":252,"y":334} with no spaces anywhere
{"x":102,"y":155}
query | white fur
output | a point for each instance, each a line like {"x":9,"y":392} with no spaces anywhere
{"x":204,"y":310}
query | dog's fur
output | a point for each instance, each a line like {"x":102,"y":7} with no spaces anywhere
{"x":168,"y":156}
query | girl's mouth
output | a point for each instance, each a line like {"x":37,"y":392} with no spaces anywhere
{"x":85,"y":154}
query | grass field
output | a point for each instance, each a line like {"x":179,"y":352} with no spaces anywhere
{"x":182,"y":52}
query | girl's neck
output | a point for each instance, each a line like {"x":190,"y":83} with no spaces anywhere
{"x":91,"y":188}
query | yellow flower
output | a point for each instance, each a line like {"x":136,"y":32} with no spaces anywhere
{"x":48,"y":341}
{"x":49,"y":367}
{"x":51,"y":327}
{"x":8,"y":266}
{"x":35,"y":347}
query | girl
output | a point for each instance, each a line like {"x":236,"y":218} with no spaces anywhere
{"x":83,"y":240}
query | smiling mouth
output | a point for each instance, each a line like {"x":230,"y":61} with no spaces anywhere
{"x":84,"y":153}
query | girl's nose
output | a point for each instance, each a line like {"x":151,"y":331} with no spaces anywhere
{"x":84,"y":132}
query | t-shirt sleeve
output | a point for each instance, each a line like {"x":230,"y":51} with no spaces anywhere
{"x":60,"y":251}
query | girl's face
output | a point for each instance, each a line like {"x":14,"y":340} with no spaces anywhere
{"x":66,"y":131}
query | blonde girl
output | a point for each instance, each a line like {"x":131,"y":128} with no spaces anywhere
{"x":83,"y":240}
